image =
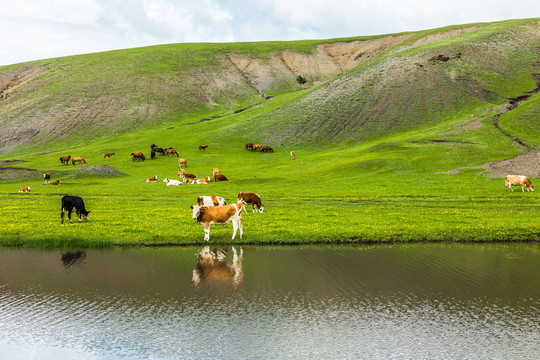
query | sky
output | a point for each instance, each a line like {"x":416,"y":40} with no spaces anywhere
{"x":41,"y":29}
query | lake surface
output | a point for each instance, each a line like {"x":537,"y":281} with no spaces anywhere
{"x":410,"y":301}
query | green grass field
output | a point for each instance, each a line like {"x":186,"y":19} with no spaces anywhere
{"x":371,"y":165}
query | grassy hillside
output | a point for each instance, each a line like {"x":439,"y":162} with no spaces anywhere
{"x":388,"y":133}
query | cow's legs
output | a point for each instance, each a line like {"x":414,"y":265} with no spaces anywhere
{"x":79,"y":215}
{"x":235,"y":228}
{"x":207,"y":232}
{"x":69,"y":217}
{"x":62,"y":215}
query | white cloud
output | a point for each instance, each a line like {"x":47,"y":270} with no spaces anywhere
{"x":36,"y":29}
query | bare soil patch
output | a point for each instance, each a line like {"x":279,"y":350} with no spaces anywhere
{"x":527,"y":164}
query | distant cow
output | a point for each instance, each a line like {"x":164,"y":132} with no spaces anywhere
{"x":108,"y":155}
{"x":172,"y":182}
{"x":138,"y":156}
{"x":65,"y":160}
{"x":182,"y":162}
{"x":517,"y":180}
{"x":156,"y":150}
{"x":78,"y":159}
{"x":171,"y":151}
{"x":73,"y":203}
{"x":55,"y":182}
{"x":210,"y":201}
{"x":205,"y":180}
{"x":266,"y":148}
{"x":249,"y":146}
{"x":152,"y":179}
{"x":253,"y":199}
{"x":47,"y":178}
{"x":203,"y":147}
{"x":184,"y":175}
{"x":220,"y":215}
{"x":256,"y":147}
{"x":26,"y":189}
{"x":216,"y":171}
{"x":212,"y":267}
{"x":220,"y":177}
{"x":293,"y":155}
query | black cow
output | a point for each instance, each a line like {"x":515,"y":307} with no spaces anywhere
{"x":70,"y":203}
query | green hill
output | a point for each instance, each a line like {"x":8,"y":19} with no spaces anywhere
{"x":393,"y":130}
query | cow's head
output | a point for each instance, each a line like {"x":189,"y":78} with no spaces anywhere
{"x":532,"y":188}
{"x":261,"y":208}
{"x":85,"y":215}
{"x":196,"y":211}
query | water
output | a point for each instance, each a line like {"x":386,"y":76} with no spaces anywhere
{"x":411,"y":301}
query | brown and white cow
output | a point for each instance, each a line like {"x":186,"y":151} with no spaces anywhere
{"x":26,"y":189}
{"x":218,"y":215}
{"x":253,"y":199}
{"x":205,"y":180}
{"x":517,"y":180}
{"x":210,"y":201}
{"x":47,"y":178}
{"x":152,"y":179}
{"x":212,"y":268}
{"x":185,"y":176}
{"x":172,"y":182}
{"x":55,"y":182}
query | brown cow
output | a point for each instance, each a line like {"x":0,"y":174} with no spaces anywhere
{"x":182,"y":162}
{"x":78,"y":159}
{"x":293,"y":155}
{"x":138,"y":156}
{"x":253,"y":199}
{"x":26,"y":189}
{"x":203,"y":147}
{"x":65,"y":160}
{"x":47,"y":178}
{"x":108,"y":155}
{"x":171,"y":151}
{"x":249,"y":146}
{"x":152,"y":179}
{"x":266,"y":148}
{"x":256,"y":147}
{"x":220,"y":215}
{"x":184,"y":175}
{"x":212,"y":267}
{"x":55,"y":182}
{"x":220,"y":177}
{"x":517,"y":180}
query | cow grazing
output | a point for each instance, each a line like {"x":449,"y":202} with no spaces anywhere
{"x":47,"y":178}
{"x":220,"y":215}
{"x":205,"y":180}
{"x":171,"y":151}
{"x":26,"y":189}
{"x":108,"y":155}
{"x":152,"y":179}
{"x":249,"y":146}
{"x":65,"y":160}
{"x":220,"y":177}
{"x":213,"y":269}
{"x":73,"y":203}
{"x":55,"y":182}
{"x":203,"y":147}
{"x":156,"y":150}
{"x":78,"y":159}
{"x":253,"y":199}
{"x":172,"y":182}
{"x":256,"y":147}
{"x":266,"y":148}
{"x":517,"y":180}
{"x":182,"y":162}
{"x":293,"y":155}
{"x":210,"y":201}
{"x":138,"y":156}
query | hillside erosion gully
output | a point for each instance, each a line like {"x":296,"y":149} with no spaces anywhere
{"x":514,"y":103}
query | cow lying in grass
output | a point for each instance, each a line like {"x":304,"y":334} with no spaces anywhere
{"x":152,"y":179}
{"x":220,"y":215}
{"x":172,"y":182}
{"x":205,"y":180}
{"x":70,"y":203}
{"x":25,"y":189}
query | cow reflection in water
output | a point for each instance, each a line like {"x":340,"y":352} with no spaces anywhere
{"x":73,"y":258}
{"x":212,"y":267}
